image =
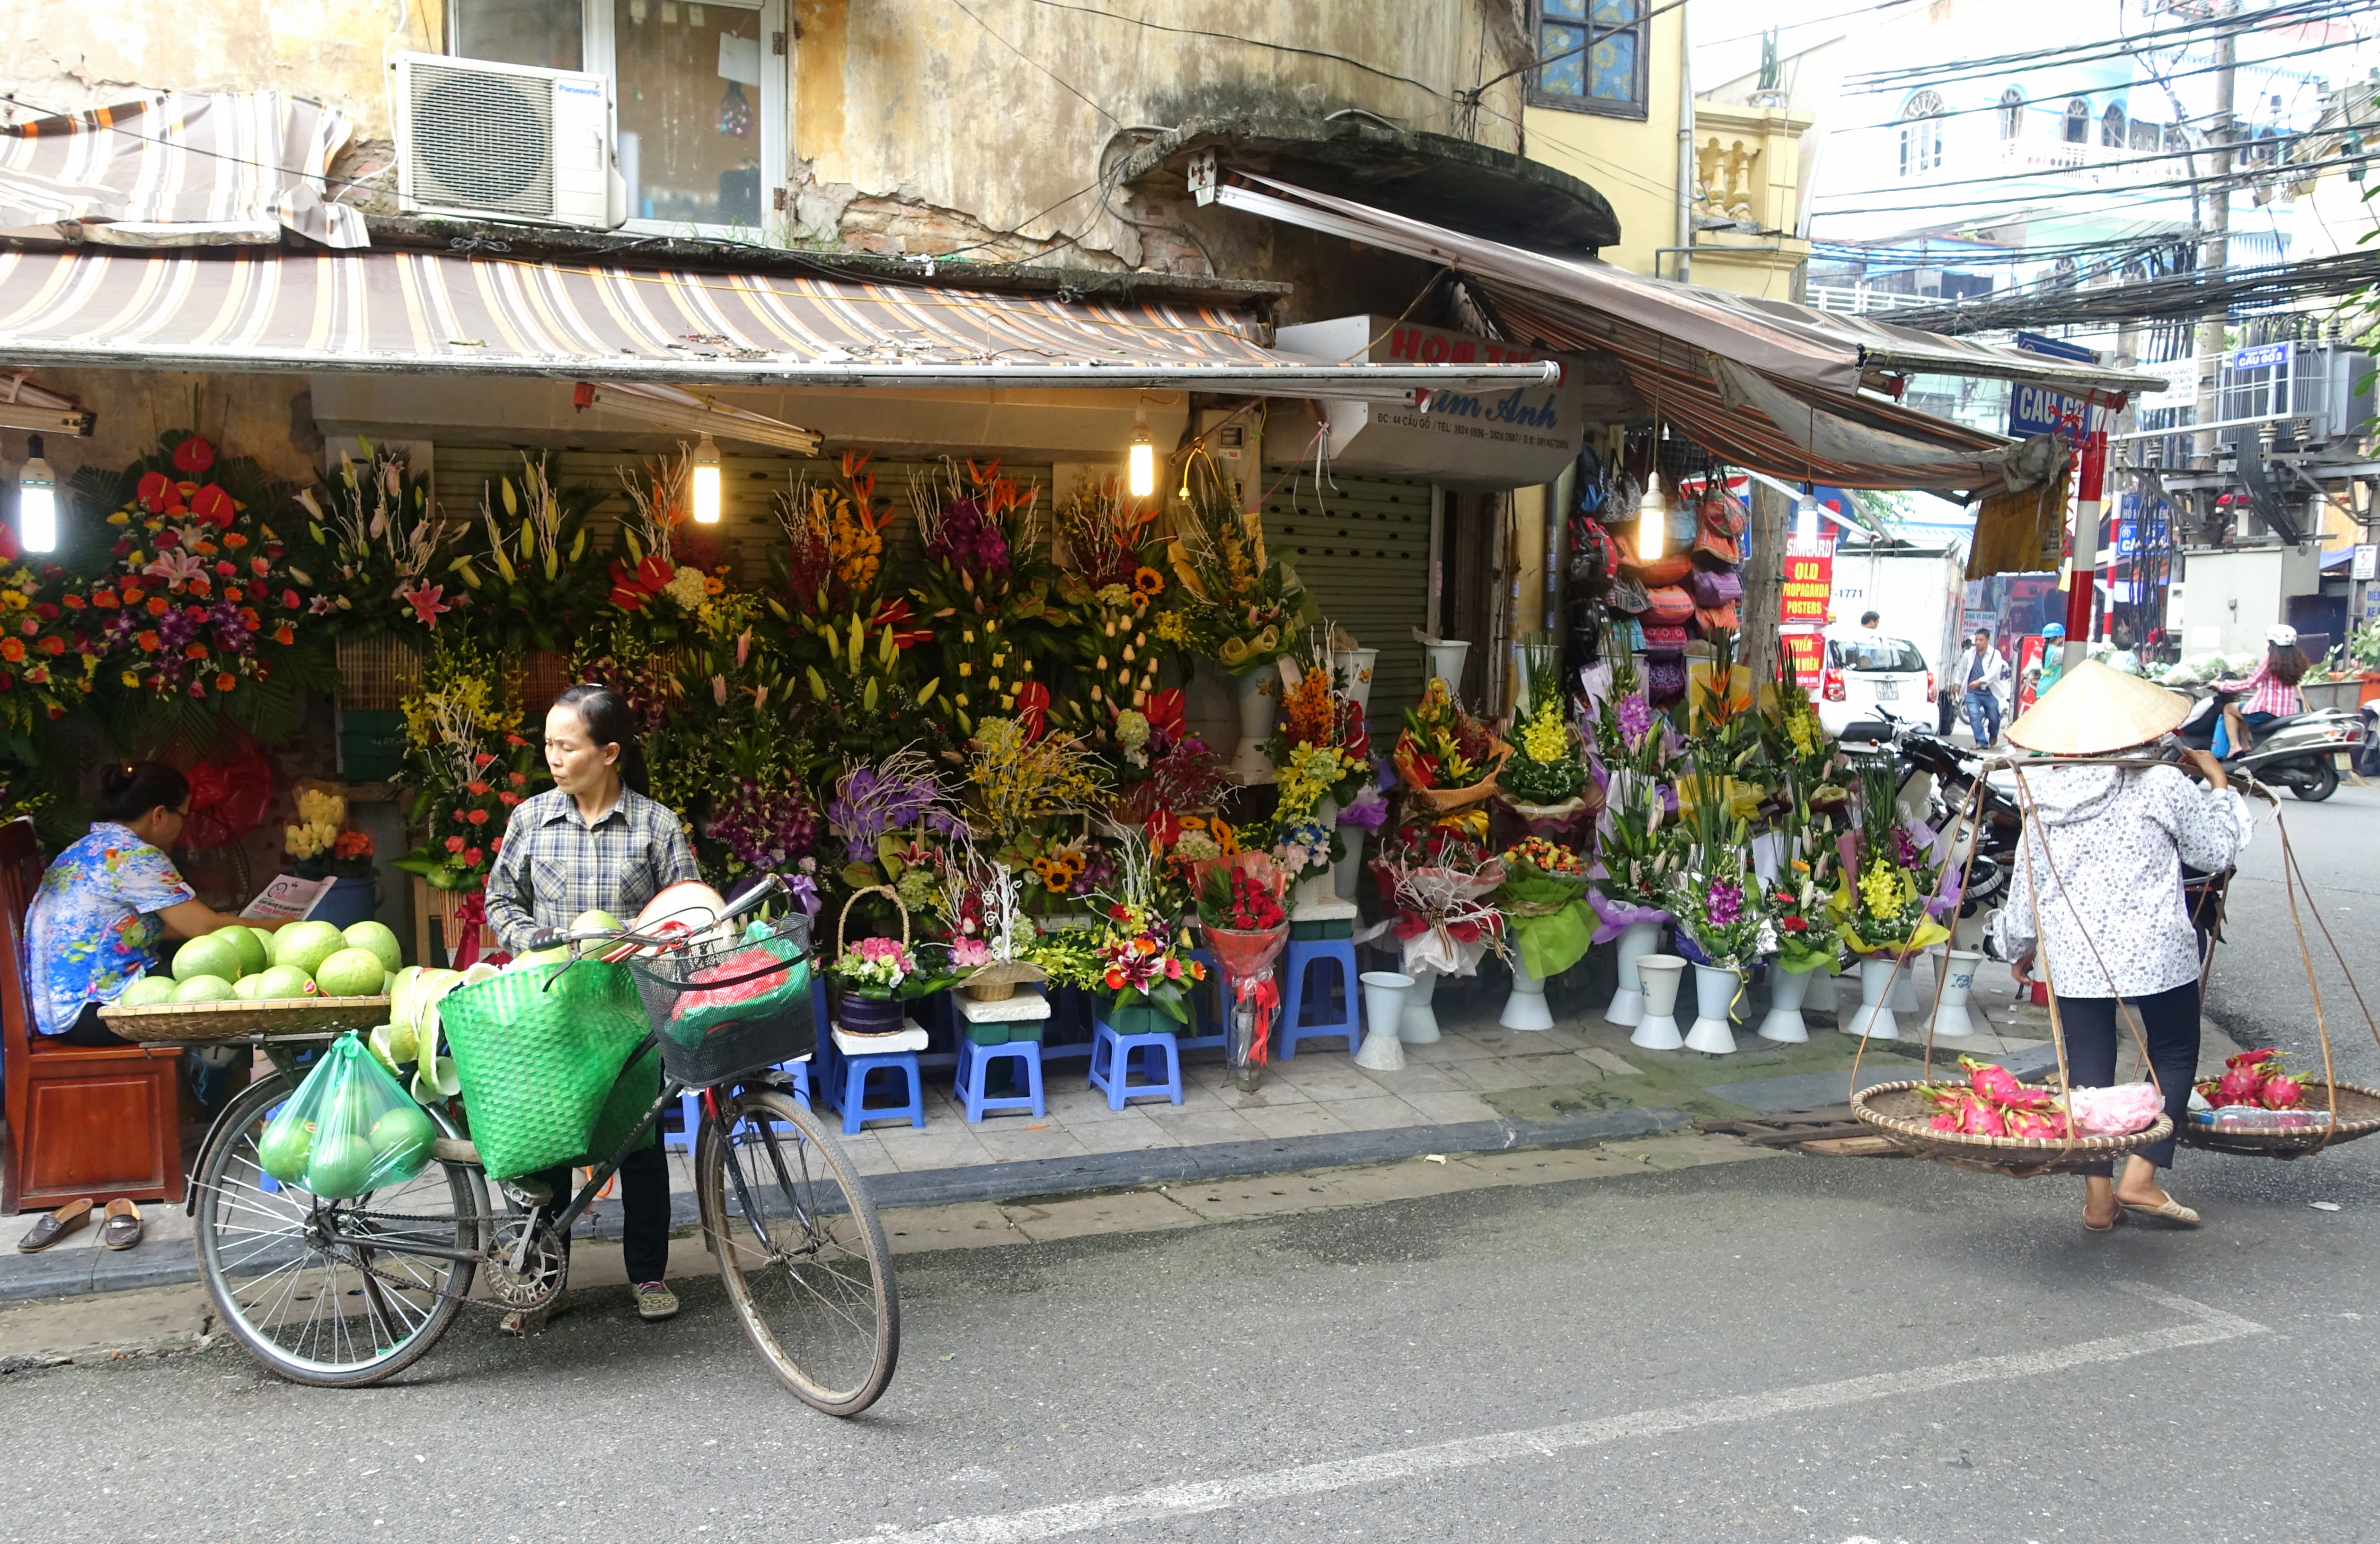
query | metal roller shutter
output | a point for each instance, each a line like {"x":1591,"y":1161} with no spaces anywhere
{"x":1362,"y":545}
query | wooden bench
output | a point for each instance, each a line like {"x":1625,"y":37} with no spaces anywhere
{"x":97,"y":1121}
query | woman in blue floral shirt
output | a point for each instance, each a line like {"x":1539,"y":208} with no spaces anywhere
{"x":108,"y":900}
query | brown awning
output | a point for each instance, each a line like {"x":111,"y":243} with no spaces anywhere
{"x":412,"y":312}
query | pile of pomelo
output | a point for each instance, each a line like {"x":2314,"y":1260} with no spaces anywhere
{"x":304,"y":959}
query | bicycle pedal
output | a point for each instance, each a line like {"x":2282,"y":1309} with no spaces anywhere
{"x":528,"y":1193}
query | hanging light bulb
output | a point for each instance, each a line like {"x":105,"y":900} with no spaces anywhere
{"x":37,"y":501}
{"x":706,"y":484}
{"x":1653,"y":520}
{"x":1805,"y":517}
{"x":1140,"y":469}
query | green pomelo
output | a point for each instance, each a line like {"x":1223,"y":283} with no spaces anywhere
{"x":340,"y":1165}
{"x":539,"y":956}
{"x":253,"y":955}
{"x":393,"y":1043}
{"x":597,"y":921}
{"x":376,"y":937}
{"x":209,"y":955}
{"x":204,"y":988}
{"x":248,"y":988}
{"x":307,"y":945}
{"x":147,"y":991}
{"x":285,"y":980}
{"x":350,"y":973}
{"x":264,"y":936}
{"x":284,"y":1150}
{"x":402,"y":1138}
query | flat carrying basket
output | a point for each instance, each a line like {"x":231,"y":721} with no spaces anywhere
{"x":210,"y":1023}
{"x":2354,"y":1112}
{"x":734,"y":1006}
{"x":1897,"y":1114}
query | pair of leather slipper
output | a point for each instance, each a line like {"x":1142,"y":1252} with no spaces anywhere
{"x":120,"y":1229}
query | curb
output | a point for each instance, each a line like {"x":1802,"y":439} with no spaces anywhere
{"x":34,"y":1277}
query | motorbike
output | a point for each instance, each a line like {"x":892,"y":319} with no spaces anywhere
{"x":2300,"y":752}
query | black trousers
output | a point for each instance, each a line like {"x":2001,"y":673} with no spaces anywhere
{"x":2095,"y":1041}
{"x":644,"y":1209}
{"x":89,"y":1029}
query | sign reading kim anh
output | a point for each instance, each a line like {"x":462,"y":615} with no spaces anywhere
{"x":1459,"y":439}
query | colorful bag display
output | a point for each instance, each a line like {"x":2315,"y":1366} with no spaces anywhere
{"x":1667,"y":602}
{"x":1663,"y":636}
{"x":1721,"y":619}
{"x":1712,"y":590}
{"x":1659,"y":571}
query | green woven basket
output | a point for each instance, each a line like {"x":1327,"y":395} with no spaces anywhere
{"x":538,"y":1064}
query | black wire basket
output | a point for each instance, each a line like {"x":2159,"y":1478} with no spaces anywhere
{"x":734,"y":1006}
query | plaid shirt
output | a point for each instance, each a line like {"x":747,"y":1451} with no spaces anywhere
{"x":554,"y":865}
{"x":2267,"y":693}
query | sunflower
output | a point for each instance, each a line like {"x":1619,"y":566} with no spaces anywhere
{"x":1147,"y":580}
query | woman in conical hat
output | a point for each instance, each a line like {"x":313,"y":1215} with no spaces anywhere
{"x":2095,"y":905}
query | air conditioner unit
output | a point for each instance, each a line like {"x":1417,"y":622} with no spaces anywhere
{"x":505,"y":141}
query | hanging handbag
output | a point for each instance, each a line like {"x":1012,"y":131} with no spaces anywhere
{"x":1664,"y":634}
{"x":1662,"y":570}
{"x":1629,"y":596}
{"x":1721,"y":619}
{"x":1720,"y":551}
{"x":1667,"y":603}
{"x":1712,"y":590}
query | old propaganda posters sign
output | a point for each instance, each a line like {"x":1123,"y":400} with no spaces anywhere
{"x":1467,"y":440}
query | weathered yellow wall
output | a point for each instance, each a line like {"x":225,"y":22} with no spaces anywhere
{"x":925,"y":102}
{"x":1633,"y":164}
{"x":67,"y":54}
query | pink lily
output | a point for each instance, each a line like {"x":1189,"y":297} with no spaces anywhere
{"x":426,"y":603}
{"x":176,"y":567}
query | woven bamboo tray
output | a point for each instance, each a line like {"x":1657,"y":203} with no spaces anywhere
{"x":1897,"y":1114}
{"x":204,"y":1023}
{"x":2359,"y":1115}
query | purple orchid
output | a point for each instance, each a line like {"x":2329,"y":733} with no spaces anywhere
{"x":1726,"y":903}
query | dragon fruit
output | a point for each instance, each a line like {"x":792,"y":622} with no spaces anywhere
{"x":1977,"y":1118}
{"x":2283,"y":1092}
{"x":2047,"y":1124}
{"x":1996,"y":1084}
{"x":2241,"y":1086}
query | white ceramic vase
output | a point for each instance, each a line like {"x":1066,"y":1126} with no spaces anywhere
{"x":1355,"y":667}
{"x":1446,"y":663}
{"x":1820,"y":996}
{"x":1906,"y":995}
{"x":1419,"y":1024}
{"x":1786,"y":988}
{"x":1663,"y":975}
{"x":1638,"y":939}
{"x":1256,"y":693}
{"x":1950,"y":1016}
{"x":1525,"y":1007}
{"x":1348,"y":869}
{"x":1384,"y":1010}
{"x":1716,"y":987}
{"x":1873,"y":1018}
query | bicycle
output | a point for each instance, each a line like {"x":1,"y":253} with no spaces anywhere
{"x":348,"y":1292}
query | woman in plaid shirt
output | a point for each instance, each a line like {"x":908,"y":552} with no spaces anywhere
{"x":2272,"y":691}
{"x":595,"y":843}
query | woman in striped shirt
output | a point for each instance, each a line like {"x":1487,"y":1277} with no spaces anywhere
{"x":2272,"y":691}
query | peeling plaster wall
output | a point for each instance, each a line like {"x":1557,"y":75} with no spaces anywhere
{"x":68,"y":54}
{"x":905,"y":115}
{"x":268,"y":416}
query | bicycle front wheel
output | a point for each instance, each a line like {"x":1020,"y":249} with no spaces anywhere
{"x":800,"y":1251}
{"x":335,"y":1294}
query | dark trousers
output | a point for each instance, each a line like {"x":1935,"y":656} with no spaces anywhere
{"x":88,"y":1029}
{"x":2093,"y":1042}
{"x":644,"y":1209}
{"x":1983,"y":718}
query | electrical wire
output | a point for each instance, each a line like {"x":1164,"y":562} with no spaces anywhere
{"x":2194,"y":293}
{"x":2054,"y":194}
{"x":1248,"y":42}
{"x":1037,"y":64}
{"x":2259,"y":146}
{"x":2115,"y":47}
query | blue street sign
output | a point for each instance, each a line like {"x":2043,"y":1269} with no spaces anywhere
{"x":2270,"y":356}
{"x":2039,"y":410}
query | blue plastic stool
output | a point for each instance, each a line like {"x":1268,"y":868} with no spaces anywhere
{"x":1111,"y":1056}
{"x":856,"y":1111}
{"x":689,"y":1101}
{"x":975,"y":1065}
{"x":1301,"y":958}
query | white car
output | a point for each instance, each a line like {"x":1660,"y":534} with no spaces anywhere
{"x":1869,"y":671}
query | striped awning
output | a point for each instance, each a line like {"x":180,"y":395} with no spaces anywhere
{"x":415,"y":312}
{"x":179,"y":169}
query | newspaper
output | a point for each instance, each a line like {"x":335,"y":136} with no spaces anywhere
{"x":288,"y":897}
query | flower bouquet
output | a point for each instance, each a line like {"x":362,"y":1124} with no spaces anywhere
{"x":1544,"y":897}
{"x":982,"y":906}
{"x":1240,"y":608}
{"x":50,"y":642}
{"x":1162,"y":766}
{"x":885,"y":808}
{"x":531,"y":574}
{"x":879,"y":974}
{"x":1883,"y":906}
{"x":1544,"y":781}
{"x":1143,"y":960}
{"x":1447,"y":760}
{"x":1241,"y":915}
{"x":1440,"y":886}
{"x":373,"y":550}
{"x":1641,"y":853}
{"x":1797,"y":908}
{"x":318,"y":846}
{"x":466,"y":757}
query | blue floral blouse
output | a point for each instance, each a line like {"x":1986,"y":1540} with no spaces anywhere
{"x":93,"y":928}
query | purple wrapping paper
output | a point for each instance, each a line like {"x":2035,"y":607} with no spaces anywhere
{"x":1617,"y":916}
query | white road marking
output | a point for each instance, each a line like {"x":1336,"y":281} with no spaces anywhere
{"x":2205,"y":1326}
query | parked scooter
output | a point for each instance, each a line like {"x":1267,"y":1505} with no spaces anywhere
{"x":2300,"y":752}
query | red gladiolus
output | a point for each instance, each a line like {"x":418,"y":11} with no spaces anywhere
{"x":193,"y":456}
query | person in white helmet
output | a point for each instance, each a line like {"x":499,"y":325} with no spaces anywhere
{"x":2272,"y":690}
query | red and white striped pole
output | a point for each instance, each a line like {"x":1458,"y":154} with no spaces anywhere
{"x":2090,"y":497}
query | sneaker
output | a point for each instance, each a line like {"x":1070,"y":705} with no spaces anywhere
{"x":655,"y":1300}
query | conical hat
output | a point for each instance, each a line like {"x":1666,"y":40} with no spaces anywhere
{"x":2095,"y":709}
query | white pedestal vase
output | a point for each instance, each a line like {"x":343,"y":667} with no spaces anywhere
{"x":1384,"y":1010}
{"x":1663,"y":975}
{"x":1716,"y":987}
{"x":1638,"y":939}
{"x":1873,"y":1018}
{"x":1785,"y":990}
{"x":1255,"y":693}
{"x":1418,"y":1025}
{"x":1348,"y":869}
{"x":1907,"y":997}
{"x":1951,"y":1017}
{"x":1446,"y":663}
{"x":1525,"y":1008}
{"x":1355,"y":667}
{"x":1820,"y":995}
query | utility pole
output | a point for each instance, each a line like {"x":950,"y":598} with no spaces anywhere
{"x":2214,"y":250}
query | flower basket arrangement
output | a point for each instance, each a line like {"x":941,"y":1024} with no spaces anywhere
{"x":319,"y":846}
{"x":878,"y":975}
{"x":468,"y":762}
{"x":1544,"y":780}
{"x":1446,"y":760}
{"x":1240,"y":607}
{"x":531,"y":573}
{"x":1885,"y":904}
{"x":373,"y":551}
{"x":1144,"y":959}
{"x":1543,"y":899}
{"x":1641,"y":854}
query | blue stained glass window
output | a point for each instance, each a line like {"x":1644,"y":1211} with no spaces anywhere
{"x":1614,"y":64}
{"x":1567,"y":75}
{"x":1565,"y":10}
{"x":1581,"y":73}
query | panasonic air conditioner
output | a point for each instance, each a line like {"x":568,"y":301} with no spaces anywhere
{"x":505,"y":142}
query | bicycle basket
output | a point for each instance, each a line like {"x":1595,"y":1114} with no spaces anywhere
{"x":732,"y":1006}
{"x":537,"y":1064}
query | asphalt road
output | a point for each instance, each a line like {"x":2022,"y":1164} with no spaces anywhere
{"x":1805,"y":1349}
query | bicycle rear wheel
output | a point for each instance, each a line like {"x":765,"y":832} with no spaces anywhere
{"x":328,"y":1293}
{"x":800,"y":1251}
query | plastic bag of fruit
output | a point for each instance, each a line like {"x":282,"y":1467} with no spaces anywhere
{"x":349,"y":1130}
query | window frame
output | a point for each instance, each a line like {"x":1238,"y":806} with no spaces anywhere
{"x":599,"y":55}
{"x":1921,"y":128}
{"x":2115,"y":128}
{"x":1639,"y":110}
{"x":2071,"y":118}
{"x":2011,"y":114}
